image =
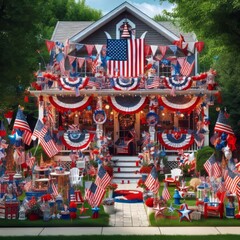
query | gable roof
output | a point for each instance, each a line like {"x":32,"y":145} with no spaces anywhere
{"x":77,"y":31}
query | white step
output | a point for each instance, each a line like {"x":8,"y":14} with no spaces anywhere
{"x":125,"y":181}
{"x":127,"y":175}
{"x":126,"y":169}
{"x":125,"y":158}
{"x":126,"y":163}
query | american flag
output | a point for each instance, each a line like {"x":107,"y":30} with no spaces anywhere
{"x":187,"y":65}
{"x":45,"y":139}
{"x":103,"y":178}
{"x":127,"y":57}
{"x":212,"y":167}
{"x":30,"y":160}
{"x":165,"y":193}
{"x":94,"y":195}
{"x":152,"y":82}
{"x":54,"y":189}
{"x":93,"y":82}
{"x":238,"y":190}
{"x":22,"y":124}
{"x":231,"y":182}
{"x":152,"y":182}
{"x":222,"y":124}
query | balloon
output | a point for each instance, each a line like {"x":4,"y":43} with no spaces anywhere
{"x":12,"y":138}
{"x":224,"y":136}
{"x":219,"y":146}
{"x":228,"y":154}
{"x":223,"y":143}
{"x":89,"y":107}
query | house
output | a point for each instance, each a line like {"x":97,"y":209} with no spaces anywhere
{"x":123,"y":76}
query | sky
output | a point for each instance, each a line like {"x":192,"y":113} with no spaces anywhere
{"x":149,"y":7}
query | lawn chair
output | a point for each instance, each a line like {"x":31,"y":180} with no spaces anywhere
{"x":173,"y":177}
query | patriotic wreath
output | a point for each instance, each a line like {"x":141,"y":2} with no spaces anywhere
{"x":99,"y":117}
{"x":73,"y":83}
{"x":181,"y":83}
{"x":125,"y":84}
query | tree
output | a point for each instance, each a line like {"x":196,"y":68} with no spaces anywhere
{"x":217,"y":23}
{"x":24,"y":26}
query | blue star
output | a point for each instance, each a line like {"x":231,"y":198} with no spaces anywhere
{"x":185,"y":212}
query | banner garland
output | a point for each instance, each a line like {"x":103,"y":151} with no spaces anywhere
{"x":185,"y":107}
{"x":176,"y":140}
{"x":73,"y":83}
{"x":76,"y":140}
{"x":125,"y":84}
{"x":128,"y":104}
{"x":181,"y":83}
{"x":67,"y":103}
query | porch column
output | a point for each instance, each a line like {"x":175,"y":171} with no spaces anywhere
{"x":206,"y":126}
{"x":99,"y":130}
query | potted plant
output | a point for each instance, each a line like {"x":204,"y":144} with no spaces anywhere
{"x":111,"y":187}
{"x":33,"y":211}
{"x":108,"y":205}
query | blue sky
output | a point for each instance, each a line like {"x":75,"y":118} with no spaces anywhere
{"x":149,"y":7}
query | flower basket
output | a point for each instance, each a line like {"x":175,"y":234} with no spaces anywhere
{"x":108,"y":205}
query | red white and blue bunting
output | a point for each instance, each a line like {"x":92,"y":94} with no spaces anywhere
{"x":176,"y":140}
{"x":125,"y":84}
{"x":74,"y":83}
{"x":173,"y":103}
{"x":128,"y":104}
{"x":67,"y":103}
{"x":179,"y":83}
{"x":76,"y":140}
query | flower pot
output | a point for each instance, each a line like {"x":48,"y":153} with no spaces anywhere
{"x":33,"y":217}
{"x":109,"y":209}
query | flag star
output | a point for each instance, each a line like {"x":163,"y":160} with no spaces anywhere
{"x":150,"y":60}
{"x":185,"y":212}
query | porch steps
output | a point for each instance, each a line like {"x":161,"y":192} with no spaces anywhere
{"x":125,"y":169}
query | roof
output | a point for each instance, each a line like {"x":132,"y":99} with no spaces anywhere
{"x":77,"y":31}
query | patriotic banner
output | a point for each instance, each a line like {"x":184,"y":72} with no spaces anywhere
{"x":45,"y":139}
{"x":127,"y":57}
{"x":22,"y":124}
{"x":178,"y":83}
{"x":77,"y":140}
{"x":128,"y":104}
{"x":66,"y":103}
{"x":212,"y":167}
{"x":152,"y":182}
{"x":125,"y":84}
{"x":179,"y":103}
{"x":103,"y":178}
{"x":73,"y":83}
{"x":176,"y":140}
{"x":94,"y":195}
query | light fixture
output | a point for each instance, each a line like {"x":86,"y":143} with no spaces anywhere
{"x":107,"y":107}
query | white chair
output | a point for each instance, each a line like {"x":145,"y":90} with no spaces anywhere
{"x":174,"y":176}
{"x":75,"y":177}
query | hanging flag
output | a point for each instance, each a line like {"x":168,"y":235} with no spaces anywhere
{"x":89,"y":49}
{"x":127,"y":57}
{"x":45,"y":139}
{"x":61,"y":60}
{"x":222,"y":124}
{"x":163,"y":50}
{"x":187,"y":66}
{"x":50,"y":45}
{"x":103,"y":178}
{"x":54,"y":188}
{"x":199,"y":46}
{"x":9,"y":115}
{"x":212,"y":167}
{"x":94,"y":195}
{"x":173,"y":48}
{"x":22,"y":124}
{"x":152,"y":182}
{"x":231,"y":182}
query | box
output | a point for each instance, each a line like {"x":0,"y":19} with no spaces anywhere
{"x":195,"y":215}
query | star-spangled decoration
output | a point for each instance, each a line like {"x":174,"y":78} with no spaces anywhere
{"x":159,"y":211}
{"x":117,"y":49}
{"x":185,"y":212}
{"x":83,"y":209}
{"x":171,"y":209}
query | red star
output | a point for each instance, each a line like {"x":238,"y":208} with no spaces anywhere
{"x":83,"y":209}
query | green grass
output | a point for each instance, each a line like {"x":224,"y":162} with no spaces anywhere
{"x":117,"y":237}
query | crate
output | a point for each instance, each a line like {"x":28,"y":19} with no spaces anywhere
{"x":11,"y":210}
{"x":195,"y":215}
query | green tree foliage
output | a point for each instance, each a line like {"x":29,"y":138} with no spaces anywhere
{"x":24,"y":26}
{"x":217,"y":24}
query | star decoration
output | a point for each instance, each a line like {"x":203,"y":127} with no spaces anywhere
{"x":185,"y":212}
{"x":83,"y":209}
{"x":150,"y":60}
{"x":171,"y":209}
{"x":159,"y":211}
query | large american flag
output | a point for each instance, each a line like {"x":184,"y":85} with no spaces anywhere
{"x":22,"y":124}
{"x":212,"y":167}
{"x":45,"y":139}
{"x":152,"y":182}
{"x":187,"y":65}
{"x":222,"y":124}
{"x":231,"y":182}
{"x":127,"y":57}
{"x":103,"y":178}
{"x":94,"y":195}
